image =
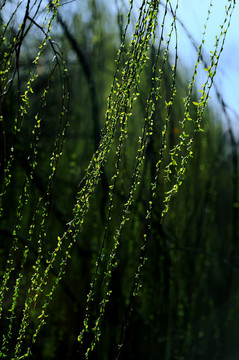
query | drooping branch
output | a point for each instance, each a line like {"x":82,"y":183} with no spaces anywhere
{"x":89,"y":76}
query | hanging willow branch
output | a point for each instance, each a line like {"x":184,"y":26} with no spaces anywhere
{"x":169,"y":172}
